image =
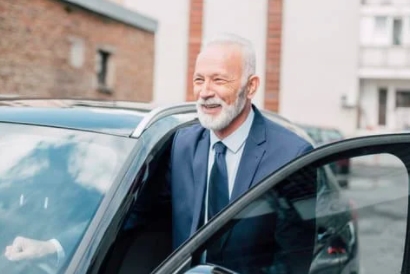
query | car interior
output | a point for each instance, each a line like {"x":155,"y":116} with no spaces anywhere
{"x":141,"y":250}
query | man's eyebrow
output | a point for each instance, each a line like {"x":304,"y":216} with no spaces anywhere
{"x":218,"y":74}
{"x":223,"y":75}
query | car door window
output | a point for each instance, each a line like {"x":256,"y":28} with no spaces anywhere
{"x":378,"y":187}
{"x":273,"y":234}
{"x":307,"y":223}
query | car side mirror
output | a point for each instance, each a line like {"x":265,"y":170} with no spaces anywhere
{"x":209,"y":269}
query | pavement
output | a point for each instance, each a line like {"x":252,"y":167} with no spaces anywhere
{"x":380,"y":194}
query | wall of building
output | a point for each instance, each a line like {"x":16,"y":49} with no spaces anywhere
{"x":49,"y":48}
{"x":320,"y":62}
{"x":171,"y":43}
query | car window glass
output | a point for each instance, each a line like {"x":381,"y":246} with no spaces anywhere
{"x":318,"y":221}
{"x":52,"y":182}
{"x":160,"y":127}
{"x":377,"y":187}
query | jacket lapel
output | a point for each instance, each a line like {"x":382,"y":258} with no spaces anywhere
{"x":200,"y":168}
{"x":255,"y":147}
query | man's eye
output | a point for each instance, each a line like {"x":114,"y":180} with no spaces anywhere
{"x":220,"y":81}
{"x":198,"y":80}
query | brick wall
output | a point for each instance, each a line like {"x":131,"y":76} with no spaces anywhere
{"x":36,"y":40}
{"x":273,"y":54}
{"x":194,"y":42}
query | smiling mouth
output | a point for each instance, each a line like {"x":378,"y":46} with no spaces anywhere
{"x":211,"y":106}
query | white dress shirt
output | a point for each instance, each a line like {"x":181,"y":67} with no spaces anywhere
{"x":235,"y":144}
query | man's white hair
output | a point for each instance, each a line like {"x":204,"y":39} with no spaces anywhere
{"x":248,"y":52}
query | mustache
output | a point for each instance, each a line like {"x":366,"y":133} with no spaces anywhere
{"x":210,"y":101}
{"x":218,"y":101}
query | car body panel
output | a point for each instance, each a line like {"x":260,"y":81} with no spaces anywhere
{"x":104,"y":117}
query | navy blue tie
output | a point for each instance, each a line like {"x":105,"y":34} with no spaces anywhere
{"x":218,"y":196}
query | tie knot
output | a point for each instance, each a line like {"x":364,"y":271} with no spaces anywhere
{"x":220,"y":147}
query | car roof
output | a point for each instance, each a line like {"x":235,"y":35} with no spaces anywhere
{"x":109,"y":117}
{"x":321,"y":128}
{"x":295,"y":128}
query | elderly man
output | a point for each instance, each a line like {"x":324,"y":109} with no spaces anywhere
{"x":232,"y":149}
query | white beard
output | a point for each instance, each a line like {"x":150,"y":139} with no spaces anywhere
{"x":226,"y":116}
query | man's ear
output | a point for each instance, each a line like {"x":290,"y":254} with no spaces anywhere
{"x":252,"y":86}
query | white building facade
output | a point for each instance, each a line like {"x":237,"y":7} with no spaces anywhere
{"x":307,"y":54}
{"x":384,"y":66}
{"x":319,"y":63}
{"x":249,"y":19}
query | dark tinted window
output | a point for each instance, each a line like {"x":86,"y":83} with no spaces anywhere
{"x":308,"y":224}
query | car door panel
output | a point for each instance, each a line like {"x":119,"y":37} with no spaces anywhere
{"x":333,"y":214}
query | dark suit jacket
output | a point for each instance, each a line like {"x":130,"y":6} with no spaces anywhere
{"x":268,"y":147}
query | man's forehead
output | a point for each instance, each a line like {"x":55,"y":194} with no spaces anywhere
{"x":221,"y":51}
{"x":219,"y":57}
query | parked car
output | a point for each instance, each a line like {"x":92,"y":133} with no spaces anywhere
{"x":327,"y":135}
{"x":71,"y":165}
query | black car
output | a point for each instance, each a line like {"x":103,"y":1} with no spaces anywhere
{"x":82,"y":165}
{"x":326,"y":135}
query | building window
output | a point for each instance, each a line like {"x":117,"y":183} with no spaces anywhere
{"x":380,"y":23}
{"x":102,"y":73}
{"x":403,"y":98}
{"x":382,"y":106}
{"x":397,"y":31}
{"x":104,"y":70}
{"x":381,"y":31}
{"x":77,"y":52}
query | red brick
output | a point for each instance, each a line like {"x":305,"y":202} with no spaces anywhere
{"x":273,"y":54}
{"x":194,"y":42}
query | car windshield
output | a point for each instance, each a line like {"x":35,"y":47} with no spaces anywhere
{"x":52,"y":182}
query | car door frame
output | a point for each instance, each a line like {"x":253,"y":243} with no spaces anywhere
{"x":180,"y":259}
{"x":94,"y":245}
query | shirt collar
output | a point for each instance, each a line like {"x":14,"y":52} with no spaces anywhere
{"x":237,"y":138}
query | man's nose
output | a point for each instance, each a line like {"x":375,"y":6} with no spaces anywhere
{"x":206,"y":91}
